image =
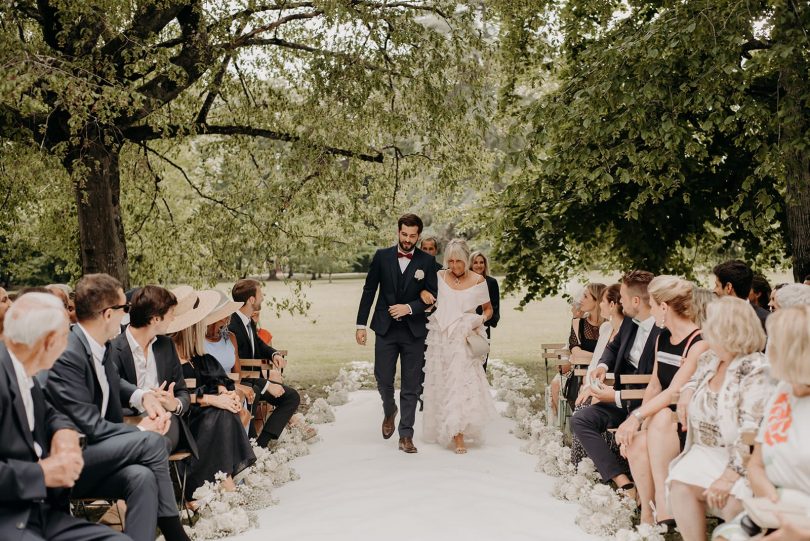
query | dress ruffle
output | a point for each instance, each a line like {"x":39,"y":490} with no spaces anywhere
{"x":456,"y":392}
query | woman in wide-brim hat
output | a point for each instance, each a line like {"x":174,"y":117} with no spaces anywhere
{"x":217,"y":417}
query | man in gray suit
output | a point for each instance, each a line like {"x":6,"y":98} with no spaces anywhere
{"x":121,"y":461}
{"x":40,"y":454}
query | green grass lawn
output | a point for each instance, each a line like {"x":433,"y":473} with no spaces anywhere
{"x":323,"y":340}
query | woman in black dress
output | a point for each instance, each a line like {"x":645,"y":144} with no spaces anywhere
{"x":649,"y":438}
{"x":480,"y":264}
{"x":215,"y":418}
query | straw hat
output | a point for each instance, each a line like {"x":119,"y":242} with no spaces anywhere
{"x":225,"y":307}
{"x":205,"y":303}
{"x":185,"y":299}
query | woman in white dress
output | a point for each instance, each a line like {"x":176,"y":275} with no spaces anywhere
{"x":458,"y":403}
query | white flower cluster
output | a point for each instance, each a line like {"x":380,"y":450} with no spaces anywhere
{"x":602,"y":511}
{"x":320,"y":412}
{"x":349,"y":381}
{"x":643,"y":532}
{"x":222,"y":513}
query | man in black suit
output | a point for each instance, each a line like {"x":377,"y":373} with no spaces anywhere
{"x":400,"y":273}
{"x":147,"y":359}
{"x":734,"y":278}
{"x":122,"y":461}
{"x":40,"y":455}
{"x":632,"y":351}
{"x":285,"y":400}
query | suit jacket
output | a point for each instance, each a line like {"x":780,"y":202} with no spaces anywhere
{"x":73,"y":388}
{"x":495,"y":300}
{"x":396,"y":287}
{"x":617,"y":353}
{"x":263,"y":351}
{"x":22,"y":482}
{"x":168,"y":370}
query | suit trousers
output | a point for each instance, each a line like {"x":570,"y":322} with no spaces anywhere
{"x":133,"y":467}
{"x":588,"y":425}
{"x":284,"y":407}
{"x":399,"y":342}
{"x":47,"y":523}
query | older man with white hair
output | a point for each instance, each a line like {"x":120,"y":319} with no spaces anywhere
{"x":40,"y":455}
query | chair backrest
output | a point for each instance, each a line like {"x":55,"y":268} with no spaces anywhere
{"x":553,"y":353}
{"x":254,"y":363}
{"x":234,"y":376}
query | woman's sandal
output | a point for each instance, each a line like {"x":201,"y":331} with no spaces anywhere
{"x":461,"y":450}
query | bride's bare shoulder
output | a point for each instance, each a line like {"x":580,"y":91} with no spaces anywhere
{"x":478,"y":278}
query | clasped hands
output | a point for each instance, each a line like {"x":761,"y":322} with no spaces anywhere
{"x":61,"y":469}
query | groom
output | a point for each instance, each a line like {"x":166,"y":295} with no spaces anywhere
{"x":400,"y":272}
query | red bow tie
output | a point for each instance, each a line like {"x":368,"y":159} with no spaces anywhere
{"x":401,"y":254}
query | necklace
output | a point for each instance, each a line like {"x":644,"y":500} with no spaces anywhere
{"x":458,"y":278}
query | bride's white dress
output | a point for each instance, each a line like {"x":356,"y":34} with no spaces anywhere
{"x":456,"y":394}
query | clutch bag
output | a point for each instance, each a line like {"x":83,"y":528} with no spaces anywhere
{"x":479,"y":347}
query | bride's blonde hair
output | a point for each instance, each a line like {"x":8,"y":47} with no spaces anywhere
{"x":457,"y":249}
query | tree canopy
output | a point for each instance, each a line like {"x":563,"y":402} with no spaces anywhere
{"x":284,"y":120}
{"x":662,"y":129}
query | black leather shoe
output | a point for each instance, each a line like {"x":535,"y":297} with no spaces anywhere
{"x":388,"y":424}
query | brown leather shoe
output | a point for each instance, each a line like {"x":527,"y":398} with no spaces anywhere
{"x":388,"y":424}
{"x":406,"y":444}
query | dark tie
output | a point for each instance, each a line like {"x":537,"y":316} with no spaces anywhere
{"x":406,"y":256}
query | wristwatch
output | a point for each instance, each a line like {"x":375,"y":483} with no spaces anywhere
{"x":639,"y":418}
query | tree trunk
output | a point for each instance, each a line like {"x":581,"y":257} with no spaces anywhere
{"x":98,"y":199}
{"x":798,"y":212}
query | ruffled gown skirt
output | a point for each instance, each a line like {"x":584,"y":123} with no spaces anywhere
{"x":457,"y":395}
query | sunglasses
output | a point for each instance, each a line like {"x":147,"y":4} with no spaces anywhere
{"x":124,"y":307}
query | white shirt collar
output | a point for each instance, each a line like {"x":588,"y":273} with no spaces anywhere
{"x":135,"y":346}
{"x":19,"y":369}
{"x":243,"y":317}
{"x":645,"y":325}
{"x":95,"y":348}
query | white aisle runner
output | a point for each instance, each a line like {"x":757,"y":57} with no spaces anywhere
{"x":355,"y":486}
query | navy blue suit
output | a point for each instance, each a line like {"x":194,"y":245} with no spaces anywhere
{"x":404,"y":339}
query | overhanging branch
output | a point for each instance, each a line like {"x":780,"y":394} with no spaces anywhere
{"x":139,"y":134}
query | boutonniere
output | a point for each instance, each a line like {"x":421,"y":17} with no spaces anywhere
{"x":419,"y":274}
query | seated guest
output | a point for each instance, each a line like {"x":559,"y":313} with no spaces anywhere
{"x":611,"y":307}
{"x":701,"y":298}
{"x":40,"y":455}
{"x":760,"y":292}
{"x":5,"y":304}
{"x":792,"y":295}
{"x":215,"y":411}
{"x":781,"y":458}
{"x":724,"y":399}
{"x":480,"y":265}
{"x":564,"y":370}
{"x":221,"y":344}
{"x":773,"y":304}
{"x":121,"y":461}
{"x":582,"y":340}
{"x":147,"y":359}
{"x":63,"y":292}
{"x":649,"y":437}
{"x":284,"y":399}
{"x":734,"y":278}
{"x":631,"y":352}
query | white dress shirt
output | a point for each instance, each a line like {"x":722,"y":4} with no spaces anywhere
{"x":403,"y":261}
{"x":25,"y":382}
{"x":634,"y":356}
{"x":145,"y":366}
{"x":249,"y":329}
{"x":97,"y":351}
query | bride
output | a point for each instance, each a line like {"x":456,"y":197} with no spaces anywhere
{"x":456,"y":395}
